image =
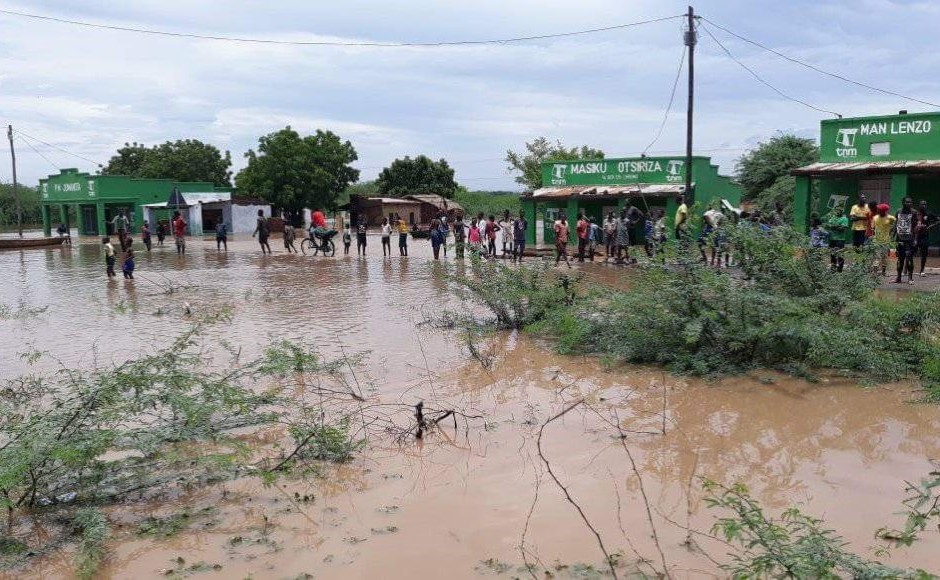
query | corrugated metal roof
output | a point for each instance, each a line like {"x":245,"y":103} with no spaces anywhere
{"x":870,"y":166}
{"x":436,"y":201}
{"x":609,"y":190}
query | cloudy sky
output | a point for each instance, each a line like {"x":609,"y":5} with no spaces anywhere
{"x":88,"y":91}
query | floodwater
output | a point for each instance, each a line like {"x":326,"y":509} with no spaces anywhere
{"x":468,"y":501}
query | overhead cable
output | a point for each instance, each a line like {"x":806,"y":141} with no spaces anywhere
{"x":66,"y":151}
{"x":38,"y":152}
{"x":817,"y":69}
{"x":762,"y":81}
{"x":326,"y":42}
{"x":672,"y":98}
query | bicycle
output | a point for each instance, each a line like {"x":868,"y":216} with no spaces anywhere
{"x":317,"y":243}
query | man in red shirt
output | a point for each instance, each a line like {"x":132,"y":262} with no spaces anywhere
{"x":179,"y":233}
{"x":582,"y":229}
{"x":317,"y":219}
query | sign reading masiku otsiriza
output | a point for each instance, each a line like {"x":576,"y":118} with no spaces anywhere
{"x":614,"y":171}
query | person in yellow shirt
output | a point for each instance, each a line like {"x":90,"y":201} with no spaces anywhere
{"x":682,"y":218}
{"x":859,"y":216}
{"x":402,"y":236}
{"x":882,"y":224}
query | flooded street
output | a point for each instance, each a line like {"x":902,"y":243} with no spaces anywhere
{"x":475,"y":499}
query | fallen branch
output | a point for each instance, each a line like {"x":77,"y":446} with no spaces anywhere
{"x":548,"y":467}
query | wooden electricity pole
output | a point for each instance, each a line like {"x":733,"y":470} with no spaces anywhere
{"x":16,"y":194}
{"x":690,"y":41}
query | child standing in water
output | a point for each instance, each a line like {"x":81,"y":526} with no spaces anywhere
{"x":128,"y":266}
{"x":386,"y":237}
{"x":474,"y":238}
{"x":289,"y":235}
{"x":109,"y":258}
{"x":347,"y":239}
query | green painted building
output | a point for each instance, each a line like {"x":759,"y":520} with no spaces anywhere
{"x":604,"y":185}
{"x":97,"y":199}
{"x":885,"y":158}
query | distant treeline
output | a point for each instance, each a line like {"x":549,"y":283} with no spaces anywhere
{"x":29,"y":201}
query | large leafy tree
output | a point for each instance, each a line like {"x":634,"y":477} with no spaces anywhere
{"x":420,"y":175}
{"x":761,"y":167}
{"x":181,"y":160}
{"x":529,"y":164}
{"x":293,"y":172}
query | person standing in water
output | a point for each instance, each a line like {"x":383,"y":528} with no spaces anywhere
{"x":161,"y":233}
{"x":386,"y":237}
{"x":490,"y":231}
{"x":583,"y":231}
{"x":262,"y":230}
{"x":362,"y":238}
{"x":475,"y":237}
{"x":145,"y":235}
{"x":109,"y":257}
{"x":121,"y":224}
{"x":505,"y":231}
{"x":562,"y":231}
{"x":347,"y":239}
{"x":221,"y":236}
{"x":444,"y":229}
{"x":127,"y":265}
{"x":289,"y":236}
{"x":610,"y":235}
{"x":437,"y":239}
{"x":459,"y":236}
{"x":402,"y":237}
{"x":179,"y":233}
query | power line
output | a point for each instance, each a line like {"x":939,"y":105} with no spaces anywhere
{"x":817,"y":69}
{"x":96,"y":164}
{"x":672,"y":97}
{"x":762,"y":81}
{"x":38,"y":152}
{"x":329,"y":43}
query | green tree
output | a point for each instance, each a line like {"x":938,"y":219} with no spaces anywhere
{"x":29,"y":203}
{"x":759,"y":168}
{"x":181,"y":160}
{"x":420,"y":175}
{"x":529,"y":164}
{"x":293,"y":172}
{"x":781,"y":191}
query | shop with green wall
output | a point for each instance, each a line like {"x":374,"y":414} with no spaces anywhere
{"x":598,"y":187}
{"x":97,"y":199}
{"x":886,"y":158}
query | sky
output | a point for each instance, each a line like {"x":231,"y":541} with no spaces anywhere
{"x":88,"y":91}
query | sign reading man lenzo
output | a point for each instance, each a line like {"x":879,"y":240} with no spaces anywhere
{"x":613,"y":171}
{"x":900,"y":137}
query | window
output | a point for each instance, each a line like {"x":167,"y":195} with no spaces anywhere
{"x":881,"y":148}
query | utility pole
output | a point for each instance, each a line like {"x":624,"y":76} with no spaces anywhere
{"x":16,"y":194}
{"x":690,"y":40}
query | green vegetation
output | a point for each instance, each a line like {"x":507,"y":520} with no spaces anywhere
{"x":794,"y":545}
{"x":420,"y":175}
{"x":923,"y":508}
{"x":174,"y":523}
{"x":529,"y":164}
{"x":29,"y":204}
{"x":488,"y":202}
{"x":168,"y":421}
{"x":789,"y":313}
{"x":292,"y":172}
{"x":181,"y":160}
{"x":92,"y":528}
{"x":760,"y":167}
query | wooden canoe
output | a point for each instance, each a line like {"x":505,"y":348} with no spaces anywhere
{"x":19,"y":243}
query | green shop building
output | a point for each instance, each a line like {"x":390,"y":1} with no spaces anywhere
{"x":886,"y":158}
{"x":600,"y":186}
{"x":97,"y":199}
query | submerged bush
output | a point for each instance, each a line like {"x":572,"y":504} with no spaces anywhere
{"x":784,"y":309}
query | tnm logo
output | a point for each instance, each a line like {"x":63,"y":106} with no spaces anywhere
{"x":558,"y":171}
{"x":845,"y":139}
{"x":674,"y":170}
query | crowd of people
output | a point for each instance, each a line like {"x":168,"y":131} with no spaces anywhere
{"x":872,"y":223}
{"x":490,"y":237}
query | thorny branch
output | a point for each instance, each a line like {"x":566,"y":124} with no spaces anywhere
{"x":548,"y":467}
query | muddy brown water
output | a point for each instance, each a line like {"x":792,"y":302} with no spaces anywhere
{"x":457,"y":504}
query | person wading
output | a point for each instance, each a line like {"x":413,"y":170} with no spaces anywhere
{"x":179,"y":233}
{"x":262,"y":230}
